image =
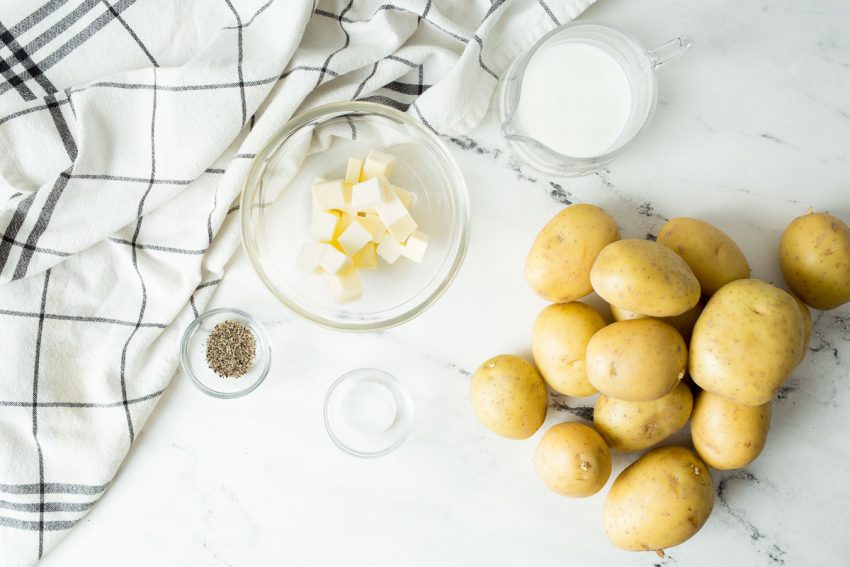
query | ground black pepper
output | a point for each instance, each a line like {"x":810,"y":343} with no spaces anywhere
{"x":231,"y":347}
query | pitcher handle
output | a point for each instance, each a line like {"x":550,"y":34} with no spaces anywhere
{"x":669,"y":51}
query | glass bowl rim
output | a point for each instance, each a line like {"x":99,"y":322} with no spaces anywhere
{"x":398,"y":388}
{"x":458,"y":190}
{"x":264,"y":351}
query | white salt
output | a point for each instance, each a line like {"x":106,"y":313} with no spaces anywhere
{"x":369,"y":408}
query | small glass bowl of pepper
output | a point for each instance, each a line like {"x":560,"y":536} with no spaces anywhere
{"x":226,"y":352}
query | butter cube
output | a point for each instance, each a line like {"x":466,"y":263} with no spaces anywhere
{"x":310,"y":257}
{"x":323,"y":225}
{"x":330,"y":195}
{"x":403,"y":228}
{"x":407,"y":198}
{"x":347,"y":191}
{"x":414,"y":248}
{"x":367,"y":258}
{"x":354,"y":238}
{"x":345,"y":286}
{"x":377,"y":164}
{"x":344,"y":222}
{"x":368,"y":194}
{"x":389,"y":248}
{"x":372,"y":223}
{"x":397,"y":219}
{"x":333,"y":260}
{"x":352,"y":171}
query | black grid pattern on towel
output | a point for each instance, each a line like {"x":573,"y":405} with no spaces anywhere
{"x":25,"y":66}
{"x":20,"y":72}
{"x":31,"y":70}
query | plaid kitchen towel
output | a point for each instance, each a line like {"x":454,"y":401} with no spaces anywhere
{"x":126,"y":129}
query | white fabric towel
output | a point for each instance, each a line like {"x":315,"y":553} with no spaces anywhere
{"x":126,"y":129}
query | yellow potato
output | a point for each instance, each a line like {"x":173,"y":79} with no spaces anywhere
{"x":714,"y":257}
{"x":509,"y":396}
{"x":807,"y":326}
{"x":644,"y":277}
{"x":683,"y":323}
{"x":573,"y":460}
{"x":621,"y":314}
{"x":814,"y":254}
{"x":634,"y":426}
{"x":558,"y":265}
{"x":559,"y":342}
{"x":638,"y":360}
{"x":659,"y":501}
{"x":728,"y":435}
{"x":746,"y":342}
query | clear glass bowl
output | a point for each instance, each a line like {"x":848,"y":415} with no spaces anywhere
{"x":277,"y":201}
{"x":194,"y":362}
{"x":368,"y":413}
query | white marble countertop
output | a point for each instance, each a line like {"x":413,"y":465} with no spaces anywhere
{"x":753,"y":127}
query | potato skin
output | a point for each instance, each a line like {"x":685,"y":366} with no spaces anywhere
{"x":644,"y":277}
{"x":559,"y":342}
{"x":558,"y":265}
{"x":814,"y":255}
{"x":683,"y":323}
{"x":728,"y":435}
{"x":659,"y":501}
{"x":807,"y":326}
{"x":746,"y":342}
{"x":573,"y":460}
{"x":638,"y":360}
{"x":712,"y":255}
{"x":634,"y":426}
{"x":509,"y":396}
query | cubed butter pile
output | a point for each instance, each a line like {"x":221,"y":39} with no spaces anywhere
{"x":356,"y":220}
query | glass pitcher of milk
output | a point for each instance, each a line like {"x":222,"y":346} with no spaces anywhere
{"x":580,"y":96}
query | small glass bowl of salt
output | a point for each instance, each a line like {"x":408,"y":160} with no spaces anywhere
{"x":368,"y":413}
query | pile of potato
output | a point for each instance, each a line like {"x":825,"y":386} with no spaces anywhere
{"x":684,"y":305}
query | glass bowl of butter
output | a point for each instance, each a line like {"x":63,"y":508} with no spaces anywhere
{"x":355,"y":216}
